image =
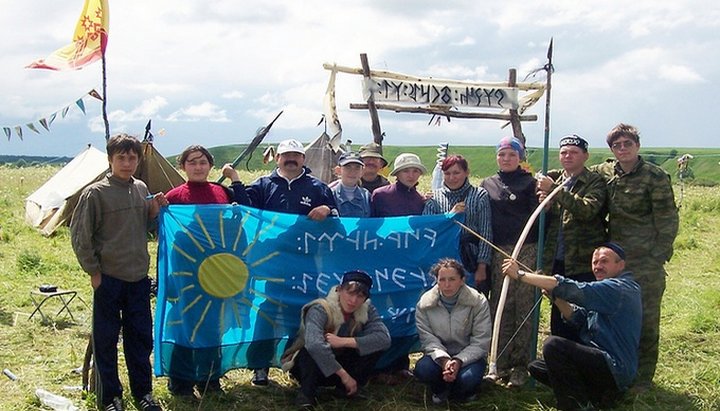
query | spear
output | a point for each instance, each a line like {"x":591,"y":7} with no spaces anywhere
{"x":253,"y":144}
{"x":541,"y":225}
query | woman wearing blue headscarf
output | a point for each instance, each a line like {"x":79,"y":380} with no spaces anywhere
{"x":512,"y":201}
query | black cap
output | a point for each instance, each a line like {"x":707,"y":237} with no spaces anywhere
{"x":348,"y":158}
{"x":574,"y":140}
{"x":358,"y":276}
{"x":616,"y":248}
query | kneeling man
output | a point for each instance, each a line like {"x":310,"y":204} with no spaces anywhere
{"x":341,"y":338}
{"x":607,"y":314}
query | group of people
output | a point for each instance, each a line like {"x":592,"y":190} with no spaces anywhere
{"x":609,"y":231}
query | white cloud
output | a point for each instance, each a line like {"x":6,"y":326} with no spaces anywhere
{"x":120,"y":120}
{"x":155,"y":88}
{"x":203,"y":111}
{"x":147,"y":109}
{"x":233,"y":95}
{"x":679,"y":74}
{"x":466,"y":41}
{"x":457,"y":72}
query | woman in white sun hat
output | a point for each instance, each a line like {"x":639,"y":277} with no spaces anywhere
{"x":401,"y":197}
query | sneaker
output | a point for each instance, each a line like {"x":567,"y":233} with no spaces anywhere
{"x":148,"y":403}
{"x":261,"y":377}
{"x":115,"y":405}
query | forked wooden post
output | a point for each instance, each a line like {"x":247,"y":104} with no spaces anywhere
{"x":374,"y":119}
{"x":514,"y":116}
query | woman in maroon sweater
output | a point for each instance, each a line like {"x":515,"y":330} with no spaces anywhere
{"x":196,"y":161}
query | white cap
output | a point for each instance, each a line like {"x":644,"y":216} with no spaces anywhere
{"x":407,"y":160}
{"x":290,"y":146}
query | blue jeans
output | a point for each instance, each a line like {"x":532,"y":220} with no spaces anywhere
{"x":466,"y":384}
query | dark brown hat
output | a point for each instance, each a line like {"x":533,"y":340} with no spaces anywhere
{"x":373,"y":150}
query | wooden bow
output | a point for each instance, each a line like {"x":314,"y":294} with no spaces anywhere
{"x":492,"y":360}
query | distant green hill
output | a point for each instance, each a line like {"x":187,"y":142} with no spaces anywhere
{"x":25,"y":161}
{"x":704,"y":165}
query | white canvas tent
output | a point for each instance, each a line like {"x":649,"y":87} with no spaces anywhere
{"x":52,"y":204}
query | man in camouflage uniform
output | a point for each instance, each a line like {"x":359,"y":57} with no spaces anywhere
{"x":576,"y":221}
{"x":644,"y":220}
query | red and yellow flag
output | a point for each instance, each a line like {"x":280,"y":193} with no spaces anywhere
{"x":89,"y":40}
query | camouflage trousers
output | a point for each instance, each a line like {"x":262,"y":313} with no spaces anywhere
{"x":520,"y":299}
{"x":651,"y":276}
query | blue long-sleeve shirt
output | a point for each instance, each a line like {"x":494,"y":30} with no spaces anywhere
{"x":608,"y":315}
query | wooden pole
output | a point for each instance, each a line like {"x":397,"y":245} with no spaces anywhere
{"x":374,"y":119}
{"x":406,"y":77}
{"x":442,"y":111}
{"x":104,"y":101}
{"x":514,"y":116}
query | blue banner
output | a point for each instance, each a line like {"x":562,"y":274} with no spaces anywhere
{"x":232,"y":279}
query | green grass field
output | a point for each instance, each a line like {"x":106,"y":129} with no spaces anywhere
{"x":47,"y":355}
{"x":704,"y":166}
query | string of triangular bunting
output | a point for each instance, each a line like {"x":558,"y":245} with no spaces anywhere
{"x":47,"y":121}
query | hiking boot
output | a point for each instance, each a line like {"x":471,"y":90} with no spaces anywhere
{"x":261,"y":377}
{"x":518,"y":378}
{"x":341,"y":392}
{"x":538,"y":370}
{"x":209,"y":386}
{"x":214,"y":386}
{"x":115,"y":405}
{"x":440,"y":398}
{"x":303,"y":402}
{"x":499,"y":379}
{"x":180,"y":387}
{"x":640,"y":387}
{"x":394,"y":378}
{"x":469,"y":398}
{"x":148,"y":403}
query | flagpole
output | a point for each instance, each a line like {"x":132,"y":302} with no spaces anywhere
{"x":104,"y":101}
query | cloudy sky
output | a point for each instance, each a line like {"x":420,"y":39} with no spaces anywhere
{"x":212,"y":72}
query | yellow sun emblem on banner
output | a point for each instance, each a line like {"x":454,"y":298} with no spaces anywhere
{"x":221,"y":274}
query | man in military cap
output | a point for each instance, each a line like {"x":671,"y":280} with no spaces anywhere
{"x":576,"y":220}
{"x":644,"y":220}
{"x":341,"y":338}
{"x":371,"y":155}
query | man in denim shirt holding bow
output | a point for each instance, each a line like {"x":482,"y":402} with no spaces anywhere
{"x":607,"y":314}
